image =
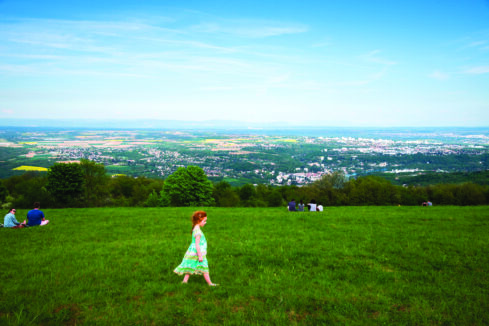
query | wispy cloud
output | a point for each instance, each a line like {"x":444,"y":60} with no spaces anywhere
{"x":479,"y":70}
{"x":478,"y":44}
{"x":191,"y":44}
{"x":481,"y":43}
{"x":16,"y":69}
{"x":321,"y":44}
{"x":268,"y":31}
{"x":249,"y":28}
{"x":124,"y":42}
{"x":366,"y":68}
{"x":439,"y":75}
{"x":374,"y":57}
{"x":8,"y":111}
{"x":207,"y":55}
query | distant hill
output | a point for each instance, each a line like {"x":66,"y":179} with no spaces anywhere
{"x":145,"y":124}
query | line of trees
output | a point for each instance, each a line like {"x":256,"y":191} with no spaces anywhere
{"x":87,"y":185}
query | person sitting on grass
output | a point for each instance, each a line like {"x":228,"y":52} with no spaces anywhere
{"x":36,"y":216}
{"x":300,"y":207}
{"x":312,"y":206}
{"x":10,"y":221}
{"x":291,"y":205}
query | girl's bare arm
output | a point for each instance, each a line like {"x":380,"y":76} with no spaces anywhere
{"x":197,"y":246}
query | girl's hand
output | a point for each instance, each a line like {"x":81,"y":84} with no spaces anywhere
{"x":201,"y":259}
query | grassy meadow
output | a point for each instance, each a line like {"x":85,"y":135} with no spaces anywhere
{"x":346,"y":265}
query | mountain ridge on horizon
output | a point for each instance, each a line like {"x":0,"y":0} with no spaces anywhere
{"x":185,"y":124}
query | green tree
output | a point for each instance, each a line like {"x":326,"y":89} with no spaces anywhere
{"x":122,"y":186}
{"x":188,"y":187}
{"x":224,"y":195}
{"x":470,"y":194}
{"x":289,"y":192}
{"x":371,"y":190}
{"x":3,"y":192}
{"x":95,"y":181}
{"x":121,"y":190}
{"x":408,"y":196}
{"x":329,"y":188}
{"x":157,"y":200}
{"x":247,"y":194}
{"x":65,"y":183}
{"x":229,"y":199}
{"x":32,"y":190}
{"x":442,"y":194}
{"x":28,"y":188}
{"x":275,"y":199}
{"x":262,"y":192}
{"x":142,"y":188}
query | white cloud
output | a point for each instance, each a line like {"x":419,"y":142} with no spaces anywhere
{"x":325,"y":42}
{"x":373,"y":57}
{"x":479,"y":70}
{"x":135,"y":48}
{"x":249,"y":28}
{"x":439,"y":75}
{"x":482,"y":45}
{"x":478,"y":44}
{"x":267,"y":31}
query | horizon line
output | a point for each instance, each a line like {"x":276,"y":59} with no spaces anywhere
{"x":206,"y":124}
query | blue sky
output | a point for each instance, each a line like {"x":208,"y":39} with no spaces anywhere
{"x":330,"y":63}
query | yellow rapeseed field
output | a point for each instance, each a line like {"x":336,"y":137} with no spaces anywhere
{"x":30,"y":168}
{"x":288,"y":140}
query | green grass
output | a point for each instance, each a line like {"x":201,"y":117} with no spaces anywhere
{"x":347,"y":265}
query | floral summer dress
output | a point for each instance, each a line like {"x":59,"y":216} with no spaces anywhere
{"x":190,"y":263}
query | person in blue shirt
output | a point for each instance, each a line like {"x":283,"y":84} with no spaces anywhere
{"x":292,"y":205}
{"x":10,"y":221}
{"x":36,"y":216}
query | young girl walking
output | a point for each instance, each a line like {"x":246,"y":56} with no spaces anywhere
{"x":195,"y":261}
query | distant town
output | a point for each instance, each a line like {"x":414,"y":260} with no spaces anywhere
{"x":261,"y":157}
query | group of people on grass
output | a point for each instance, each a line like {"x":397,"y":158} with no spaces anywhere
{"x":35,"y":217}
{"x":311,"y":207}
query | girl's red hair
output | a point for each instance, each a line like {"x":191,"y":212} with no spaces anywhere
{"x":197,"y":217}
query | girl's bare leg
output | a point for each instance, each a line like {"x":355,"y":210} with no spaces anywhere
{"x":208,"y":279}
{"x":185,"y":278}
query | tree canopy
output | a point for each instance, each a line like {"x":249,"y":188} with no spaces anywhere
{"x":188,"y":187}
{"x":65,"y":182}
{"x":94,"y":179}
